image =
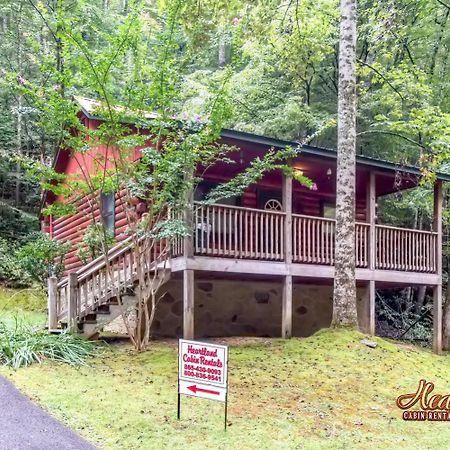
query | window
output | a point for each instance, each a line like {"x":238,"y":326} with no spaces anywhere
{"x":107,"y":204}
{"x":329,"y":210}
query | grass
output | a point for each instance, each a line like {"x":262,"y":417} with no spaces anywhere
{"x":21,"y":344}
{"x":325,"y":392}
{"x":26,"y":306}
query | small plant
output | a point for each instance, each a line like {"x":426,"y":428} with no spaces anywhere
{"x":42,"y":256}
{"x":21,"y":346}
{"x":11,"y":273}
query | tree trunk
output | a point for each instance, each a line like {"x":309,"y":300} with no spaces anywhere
{"x":421,"y":292}
{"x":344,"y":300}
{"x":224,"y":49}
{"x":19,"y":49}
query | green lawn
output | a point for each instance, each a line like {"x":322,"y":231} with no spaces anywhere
{"x":324,"y":392}
{"x":27,"y":305}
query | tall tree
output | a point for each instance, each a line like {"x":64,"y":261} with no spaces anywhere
{"x":344,"y":300}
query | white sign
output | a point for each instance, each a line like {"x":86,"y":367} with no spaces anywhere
{"x":202,"y":390}
{"x":203,"y":370}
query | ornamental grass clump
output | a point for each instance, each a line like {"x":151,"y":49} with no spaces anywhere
{"x":21,"y":346}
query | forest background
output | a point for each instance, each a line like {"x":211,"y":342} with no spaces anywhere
{"x":280,"y":59}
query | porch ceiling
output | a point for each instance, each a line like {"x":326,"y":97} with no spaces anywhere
{"x":250,"y":142}
{"x":321,"y":170}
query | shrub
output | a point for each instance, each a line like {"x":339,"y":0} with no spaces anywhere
{"x":21,"y":346}
{"x":11,"y":271}
{"x":42,"y":256}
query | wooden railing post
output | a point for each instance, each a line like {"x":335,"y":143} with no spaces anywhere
{"x":437,"y":224}
{"x":287,"y":208}
{"x":437,"y":289}
{"x":371,"y":219}
{"x":372,"y":242}
{"x":72,"y":302}
{"x":52,"y":283}
{"x":188,"y":216}
{"x":286,"y":321}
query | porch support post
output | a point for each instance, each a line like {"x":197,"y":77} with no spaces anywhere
{"x":369,"y":301}
{"x":52,"y":311}
{"x":371,"y":218}
{"x":437,"y":289}
{"x":286,"y":307}
{"x":286,"y":319}
{"x":188,"y":304}
{"x":372,"y":294}
{"x":437,"y":319}
{"x":366,"y":309}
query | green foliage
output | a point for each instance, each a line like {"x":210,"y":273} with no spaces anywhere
{"x":15,"y":223}
{"x":11,"y":272}
{"x":22,"y":346}
{"x":273,"y":62}
{"x":42,"y":256}
{"x":400,"y":315}
{"x":37,"y":257}
{"x":24,"y":305}
{"x":95,"y":237}
{"x":29,"y":300}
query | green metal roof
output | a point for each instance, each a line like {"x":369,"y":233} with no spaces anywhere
{"x":88,"y":109}
{"x":325,"y":152}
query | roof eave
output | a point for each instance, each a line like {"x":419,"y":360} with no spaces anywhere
{"x":326,"y":153}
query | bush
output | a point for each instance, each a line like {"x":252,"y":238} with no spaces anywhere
{"x":11,"y":271}
{"x":21,"y":346}
{"x":42,"y":256}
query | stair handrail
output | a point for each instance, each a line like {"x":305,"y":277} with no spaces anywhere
{"x":90,"y":270}
{"x":99,"y":262}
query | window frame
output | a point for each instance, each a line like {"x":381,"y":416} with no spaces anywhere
{"x":108,"y":210}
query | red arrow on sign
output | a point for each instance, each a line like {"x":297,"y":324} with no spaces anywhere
{"x":196,"y":389}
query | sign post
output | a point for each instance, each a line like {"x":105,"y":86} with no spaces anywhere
{"x":203,"y":372}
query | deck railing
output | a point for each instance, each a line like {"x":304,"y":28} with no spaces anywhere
{"x":239,"y":232}
{"x":94,"y":284}
{"x":313,"y":241}
{"x":246,"y":233}
{"x":403,"y":249}
{"x":92,"y":281}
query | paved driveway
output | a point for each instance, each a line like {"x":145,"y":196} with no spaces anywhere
{"x":25,"y":426}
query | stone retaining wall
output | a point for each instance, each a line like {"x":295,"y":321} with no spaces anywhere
{"x":238,"y":308}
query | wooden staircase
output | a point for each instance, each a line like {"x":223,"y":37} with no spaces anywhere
{"x":104,"y":289}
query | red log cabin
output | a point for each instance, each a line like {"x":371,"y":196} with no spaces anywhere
{"x":260,"y":264}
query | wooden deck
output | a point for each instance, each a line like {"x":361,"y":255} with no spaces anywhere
{"x":239,"y":241}
{"x":222,"y":231}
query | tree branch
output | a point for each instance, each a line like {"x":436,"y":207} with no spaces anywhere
{"x":392,"y":133}
{"x":382,"y":76}
{"x":443,"y":4}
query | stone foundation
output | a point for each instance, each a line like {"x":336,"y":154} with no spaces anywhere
{"x":244,"y":308}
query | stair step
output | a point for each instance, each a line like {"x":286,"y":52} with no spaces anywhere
{"x":102,"y":309}
{"x":56,"y":331}
{"x":89,"y":321}
{"x":103,"y":306}
{"x":90,"y":316}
